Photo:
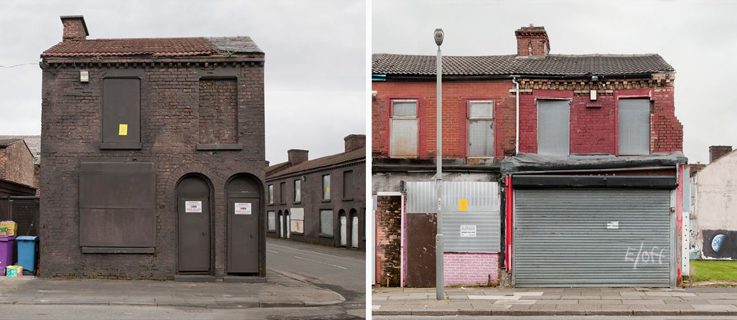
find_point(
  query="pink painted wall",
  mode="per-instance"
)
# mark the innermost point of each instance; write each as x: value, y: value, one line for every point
x: 471, y: 269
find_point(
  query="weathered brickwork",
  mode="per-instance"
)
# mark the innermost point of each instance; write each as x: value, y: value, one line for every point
x: 16, y: 164
x: 388, y: 240
x: 456, y: 96
x: 71, y: 133
x: 218, y: 111
x: 471, y: 269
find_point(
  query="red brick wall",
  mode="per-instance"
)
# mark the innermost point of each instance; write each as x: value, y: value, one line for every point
x: 16, y: 164
x: 455, y: 100
x: 471, y: 269
x: 594, y: 129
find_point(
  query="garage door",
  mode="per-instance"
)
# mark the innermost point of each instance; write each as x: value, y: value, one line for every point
x: 592, y: 237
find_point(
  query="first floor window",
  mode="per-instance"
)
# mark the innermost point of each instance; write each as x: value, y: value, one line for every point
x: 271, y: 194
x: 297, y: 191
x: 271, y: 221
x: 326, y: 222
x: 634, y: 127
x: 480, y: 129
x: 403, y: 129
x: 553, y: 127
x: 326, y: 187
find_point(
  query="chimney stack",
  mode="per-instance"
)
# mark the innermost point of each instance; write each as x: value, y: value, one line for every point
x: 716, y: 152
x: 354, y: 142
x: 532, y: 41
x: 297, y: 156
x: 74, y: 28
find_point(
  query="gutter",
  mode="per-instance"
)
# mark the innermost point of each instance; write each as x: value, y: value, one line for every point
x: 516, y: 109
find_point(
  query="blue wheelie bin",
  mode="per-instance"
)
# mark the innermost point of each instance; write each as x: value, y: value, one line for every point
x: 27, y: 253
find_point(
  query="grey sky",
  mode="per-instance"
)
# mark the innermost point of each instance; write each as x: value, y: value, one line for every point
x: 699, y: 39
x: 315, y: 58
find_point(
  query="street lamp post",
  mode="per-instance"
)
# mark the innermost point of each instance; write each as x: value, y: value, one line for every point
x: 439, y: 273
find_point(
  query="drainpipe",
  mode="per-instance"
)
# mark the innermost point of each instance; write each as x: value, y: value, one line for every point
x: 516, y: 109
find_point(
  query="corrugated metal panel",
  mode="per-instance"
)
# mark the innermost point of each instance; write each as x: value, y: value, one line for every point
x: 634, y: 126
x: 593, y: 237
x: 482, y: 199
x: 553, y: 127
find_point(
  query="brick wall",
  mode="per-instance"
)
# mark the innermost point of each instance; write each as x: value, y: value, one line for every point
x: 593, y: 124
x: 218, y: 111
x: 388, y: 240
x: 71, y: 133
x: 16, y: 164
x: 471, y: 269
x: 456, y: 96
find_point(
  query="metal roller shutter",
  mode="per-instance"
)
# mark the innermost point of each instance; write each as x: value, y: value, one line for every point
x: 593, y: 237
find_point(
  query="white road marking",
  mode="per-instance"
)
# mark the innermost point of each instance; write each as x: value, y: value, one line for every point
x: 272, y: 251
x: 350, y: 259
x: 320, y: 262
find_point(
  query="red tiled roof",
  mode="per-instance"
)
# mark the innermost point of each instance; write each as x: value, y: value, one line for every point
x: 131, y: 47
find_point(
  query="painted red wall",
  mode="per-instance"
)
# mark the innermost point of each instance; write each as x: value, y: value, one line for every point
x: 456, y: 95
x: 594, y: 125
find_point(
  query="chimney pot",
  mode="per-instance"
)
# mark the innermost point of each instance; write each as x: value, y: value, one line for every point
x: 354, y: 142
x: 74, y: 28
x: 716, y: 152
x: 532, y: 41
x: 297, y: 156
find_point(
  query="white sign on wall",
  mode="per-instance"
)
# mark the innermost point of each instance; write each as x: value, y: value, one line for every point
x: 468, y: 231
x: 242, y: 208
x: 193, y: 206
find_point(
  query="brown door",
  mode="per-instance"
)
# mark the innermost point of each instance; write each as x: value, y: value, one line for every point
x: 193, y: 225
x: 243, y: 230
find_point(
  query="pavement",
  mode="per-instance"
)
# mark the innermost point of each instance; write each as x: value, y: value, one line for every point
x: 278, y: 291
x: 703, y: 301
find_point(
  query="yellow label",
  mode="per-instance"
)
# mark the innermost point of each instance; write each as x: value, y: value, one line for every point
x: 462, y: 204
x: 123, y: 129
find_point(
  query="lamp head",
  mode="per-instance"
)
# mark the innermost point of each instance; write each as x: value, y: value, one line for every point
x: 439, y: 36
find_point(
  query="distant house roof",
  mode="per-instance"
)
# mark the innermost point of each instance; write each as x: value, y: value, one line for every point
x: 32, y: 142
x: 505, y: 65
x: 153, y: 47
x: 278, y: 170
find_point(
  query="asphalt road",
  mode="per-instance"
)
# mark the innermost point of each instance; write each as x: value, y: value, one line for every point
x: 338, y: 269
x: 553, y: 318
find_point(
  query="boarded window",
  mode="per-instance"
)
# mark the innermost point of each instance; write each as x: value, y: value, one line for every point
x: 297, y: 191
x: 403, y: 140
x: 326, y: 222
x: 348, y: 185
x: 480, y: 129
x: 282, y: 193
x: 326, y: 187
x: 271, y: 194
x: 116, y: 204
x: 218, y: 111
x: 634, y: 126
x: 271, y: 221
x: 553, y: 127
x: 121, y: 113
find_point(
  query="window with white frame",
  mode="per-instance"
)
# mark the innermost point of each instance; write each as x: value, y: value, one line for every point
x: 481, y: 129
x: 297, y: 191
x: 271, y: 221
x: 271, y: 194
x: 403, y: 129
x: 326, y: 222
x: 634, y: 127
x: 326, y: 187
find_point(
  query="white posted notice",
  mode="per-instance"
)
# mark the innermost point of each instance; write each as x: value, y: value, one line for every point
x: 242, y: 208
x: 193, y: 206
x: 468, y: 231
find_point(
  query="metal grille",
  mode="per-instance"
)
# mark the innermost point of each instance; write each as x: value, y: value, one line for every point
x: 593, y: 237
x: 482, y: 214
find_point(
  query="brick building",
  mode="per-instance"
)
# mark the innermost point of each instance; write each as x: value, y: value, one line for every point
x: 579, y: 116
x: 320, y: 200
x: 17, y: 162
x: 153, y: 157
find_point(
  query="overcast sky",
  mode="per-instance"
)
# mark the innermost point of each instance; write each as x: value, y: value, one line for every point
x: 315, y: 58
x: 699, y: 39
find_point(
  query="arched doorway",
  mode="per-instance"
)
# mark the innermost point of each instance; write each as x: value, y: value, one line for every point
x: 354, y: 228
x: 281, y: 224
x: 244, y: 221
x: 193, y: 225
x: 343, y: 228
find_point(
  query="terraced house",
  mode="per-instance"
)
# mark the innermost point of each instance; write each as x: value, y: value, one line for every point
x: 559, y: 170
x: 153, y: 154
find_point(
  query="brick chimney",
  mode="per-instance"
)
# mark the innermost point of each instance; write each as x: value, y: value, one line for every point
x: 716, y: 152
x: 532, y: 41
x: 74, y: 28
x: 354, y: 142
x: 297, y: 156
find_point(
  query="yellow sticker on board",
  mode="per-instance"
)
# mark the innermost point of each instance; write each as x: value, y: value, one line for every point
x: 462, y: 204
x: 123, y: 129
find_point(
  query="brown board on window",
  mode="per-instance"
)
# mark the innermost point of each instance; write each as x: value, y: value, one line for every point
x: 121, y: 112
